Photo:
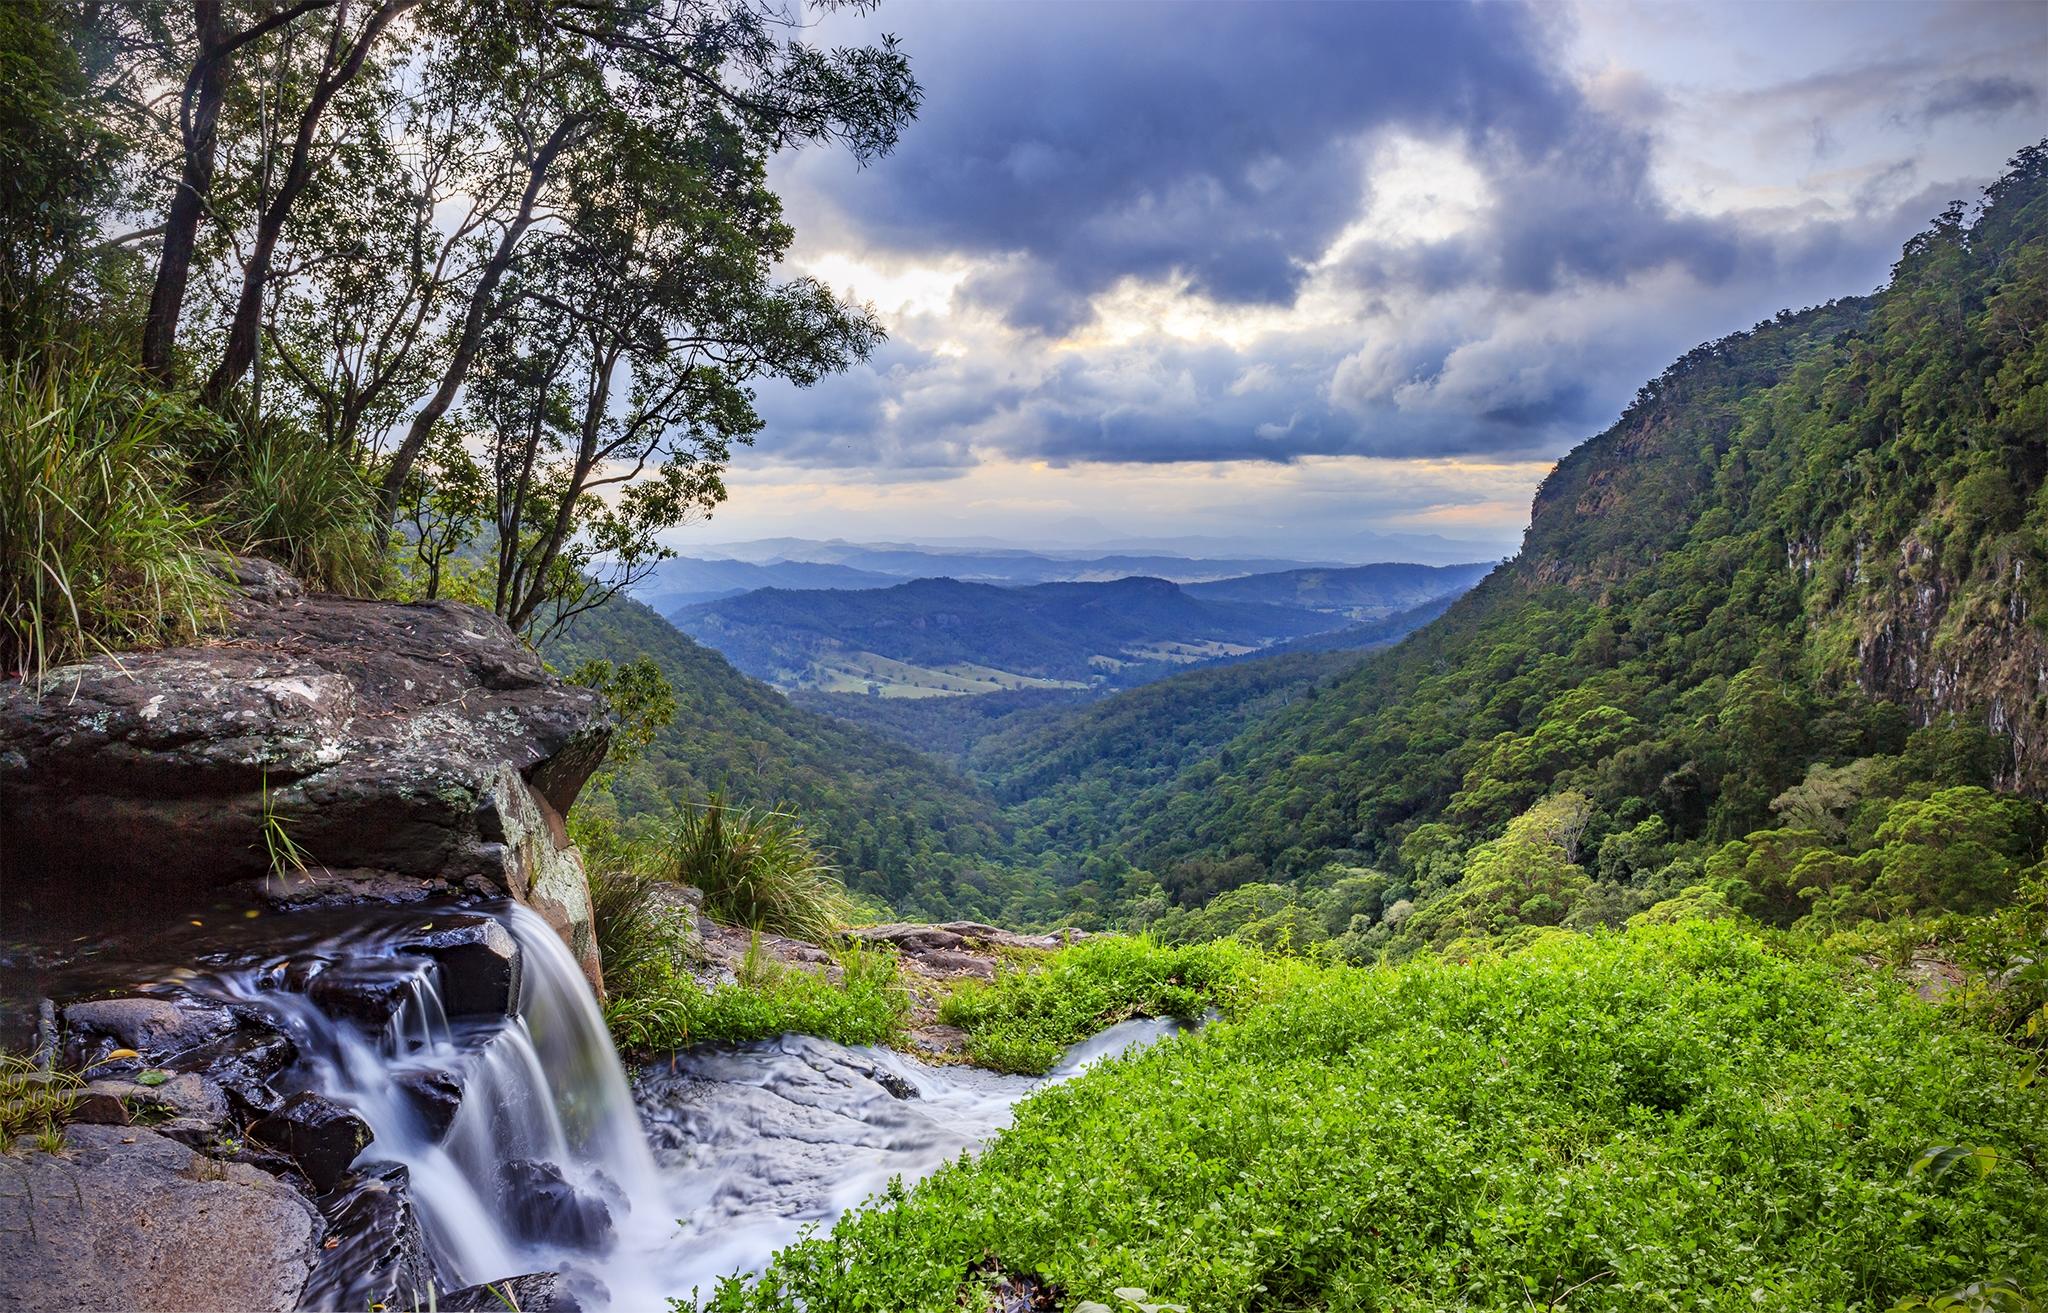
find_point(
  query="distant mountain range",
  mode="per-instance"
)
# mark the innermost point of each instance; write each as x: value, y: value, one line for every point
x: 1361, y: 592
x: 939, y: 637
x: 802, y: 563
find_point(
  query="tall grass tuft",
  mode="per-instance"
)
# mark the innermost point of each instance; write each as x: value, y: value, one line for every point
x: 756, y: 868
x: 280, y: 492
x: 33, y: 1100
x: 637, y: 938
x: 96, y: 550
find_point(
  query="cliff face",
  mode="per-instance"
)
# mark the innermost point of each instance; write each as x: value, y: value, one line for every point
x: 324, y: 750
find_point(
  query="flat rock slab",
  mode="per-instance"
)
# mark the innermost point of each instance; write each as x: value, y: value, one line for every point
x: 125, y: 1219
x: 369, y: 733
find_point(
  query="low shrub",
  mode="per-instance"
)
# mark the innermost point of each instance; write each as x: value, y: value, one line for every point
x: 757, y: 869
x: 275, y: 490
x: 1691, y: 1116
x: 867, y: 1005
x: 1029, y: 1016
x: 96, y: 551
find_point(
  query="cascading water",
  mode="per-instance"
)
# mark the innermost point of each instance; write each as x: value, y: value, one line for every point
x: 548, y: 1164
x: 542, y: 1090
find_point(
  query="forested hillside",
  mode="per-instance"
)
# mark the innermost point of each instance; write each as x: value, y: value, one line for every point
x: 893, y: 819
x: 1790, y: 603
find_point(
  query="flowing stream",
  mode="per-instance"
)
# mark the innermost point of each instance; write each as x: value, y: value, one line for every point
x: 702, y: 1168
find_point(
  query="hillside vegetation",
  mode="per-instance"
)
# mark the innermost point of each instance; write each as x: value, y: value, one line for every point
x: 889, y: 817
x: 1762, y: 632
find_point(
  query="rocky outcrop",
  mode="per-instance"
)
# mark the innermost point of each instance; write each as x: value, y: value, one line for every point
x: 125, y: 1218
x: 324, y: 749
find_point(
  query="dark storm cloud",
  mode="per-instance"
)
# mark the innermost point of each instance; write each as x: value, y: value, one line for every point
x: 1218, y: 142
x: 1064, y: 147
x: 1978, y: 96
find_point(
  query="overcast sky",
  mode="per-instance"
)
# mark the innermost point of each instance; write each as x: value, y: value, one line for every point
x: 1289, y: 274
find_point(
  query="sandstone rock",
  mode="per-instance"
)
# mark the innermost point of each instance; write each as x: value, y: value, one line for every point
x: 374, y: 1254
x: 126, y: 1219
x: 321, y: 1136
x: 416, y: 746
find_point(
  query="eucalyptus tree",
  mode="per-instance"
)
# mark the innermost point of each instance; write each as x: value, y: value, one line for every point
x: 575, y: 76
x: 617, y: 382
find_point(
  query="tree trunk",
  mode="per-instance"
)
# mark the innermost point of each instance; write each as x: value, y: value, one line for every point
x: 205, y: 89
x: 337, y: 72
x: 474, y: 321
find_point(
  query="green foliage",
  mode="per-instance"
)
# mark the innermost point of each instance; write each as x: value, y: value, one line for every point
x: 33, y: 1100
x: 757, y: 868
x: 1680, y: 1117
x: 273, y: 489
x: 866, y: 1005
x: 1025, y: 1019
x: 638, y: 938
x: 59, y: 156
x: 96, y: 551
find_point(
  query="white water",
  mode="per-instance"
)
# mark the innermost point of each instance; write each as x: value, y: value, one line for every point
x: 758, y: 1141
x: 724, y: 1156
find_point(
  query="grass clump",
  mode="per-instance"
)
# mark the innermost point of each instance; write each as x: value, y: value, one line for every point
x: 757, y: 869
x: 276, y: 490
x: 1678, y: 1117
x: 1028, y: 1017
x: 96, y: 551
x: 34, y: 1101
x: 867, y: 1005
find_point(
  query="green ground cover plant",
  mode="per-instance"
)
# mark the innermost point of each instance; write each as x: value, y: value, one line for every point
x: 757, y: 867
x: 97, y: 553
x: 1023, y: 1021
x: 1690, y: 1116
x: 866, y: 1004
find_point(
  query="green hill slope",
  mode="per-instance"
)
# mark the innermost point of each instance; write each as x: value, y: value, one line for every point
x: 1798, y: 546
x: 968, y: 635
x: 1363, y: 592
x: 895, y: 819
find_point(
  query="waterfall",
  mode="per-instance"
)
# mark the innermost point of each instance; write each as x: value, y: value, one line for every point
x: 548, y: 1165
x: 540, y: 1092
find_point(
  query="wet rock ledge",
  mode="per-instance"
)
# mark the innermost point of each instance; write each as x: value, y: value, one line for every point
x: 323, y: 750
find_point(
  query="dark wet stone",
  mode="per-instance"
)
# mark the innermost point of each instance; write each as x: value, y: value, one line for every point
x: 374, y: 1254
x: 541, y: 1206
x: 367, y: 992
x: 435, y: 1095
x: 157, y: 1027
x: 242, y: 1065
x: 479, y: 963
x: 536, y: 1292
x: 897, y: 1086
x: 320, y: 1135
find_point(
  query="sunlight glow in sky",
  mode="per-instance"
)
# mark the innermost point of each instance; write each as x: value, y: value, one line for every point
x: 1291, y: 275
